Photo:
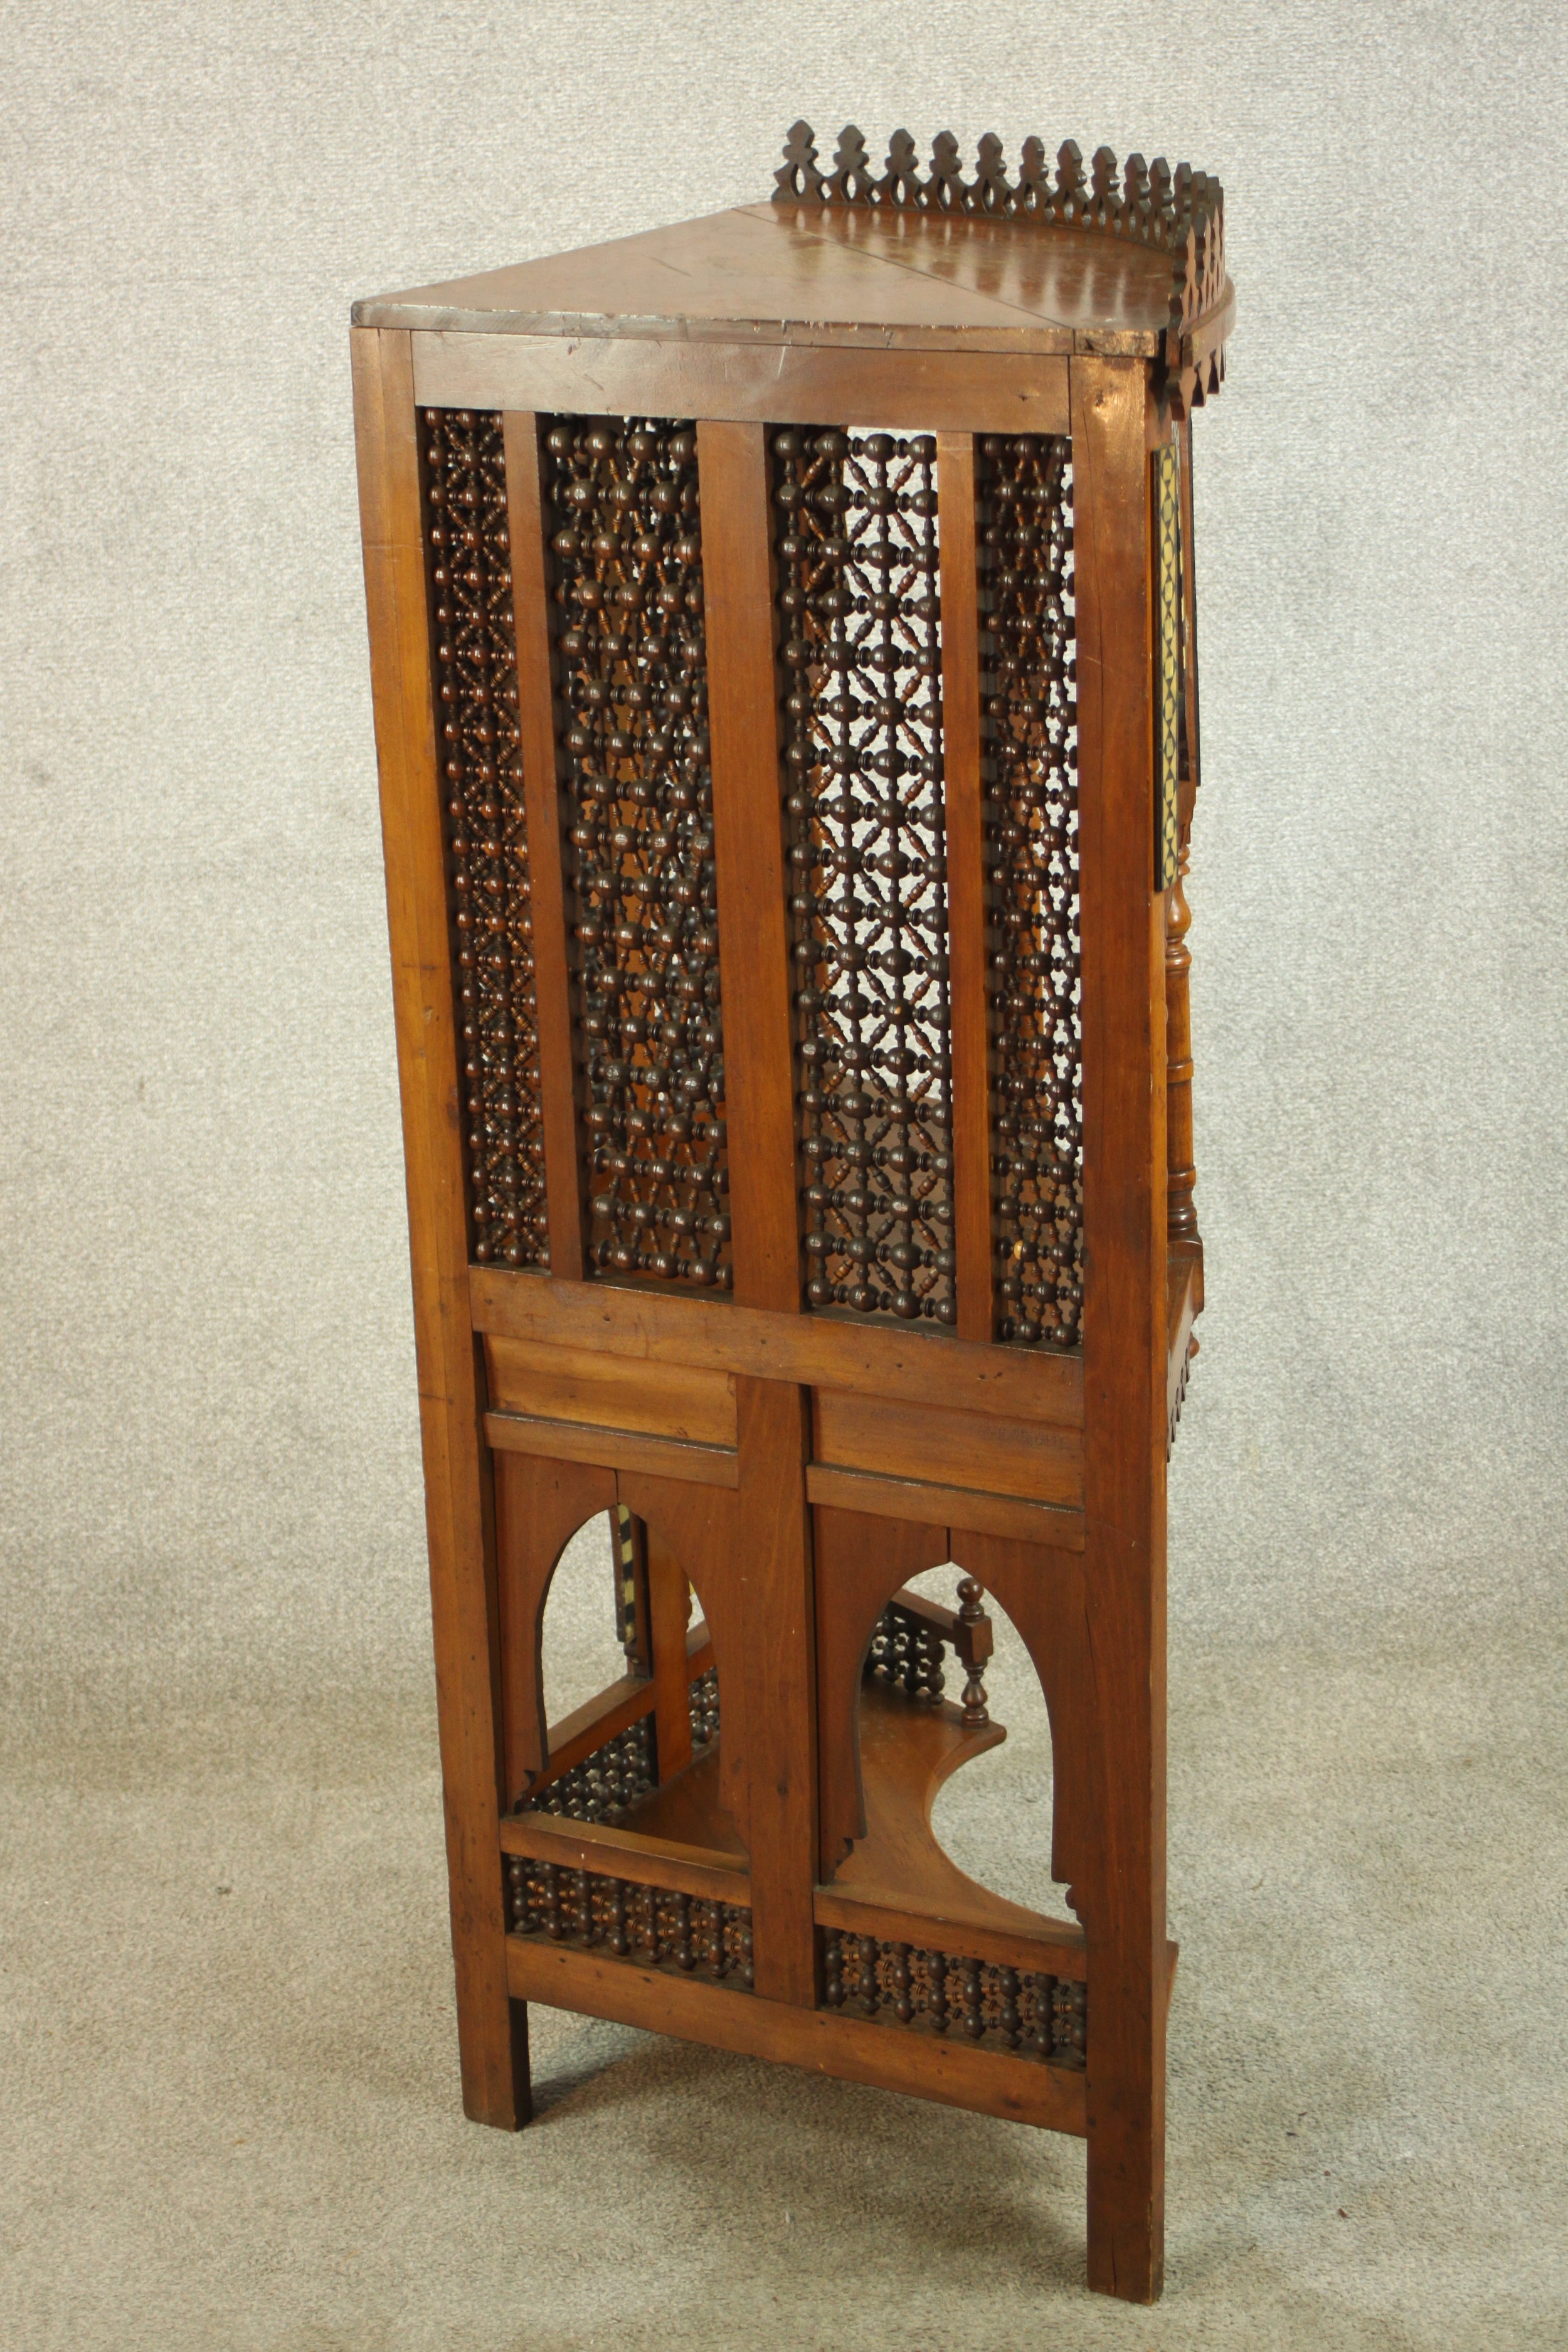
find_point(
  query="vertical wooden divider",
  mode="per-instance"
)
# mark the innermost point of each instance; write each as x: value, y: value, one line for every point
x: 779, y: 1608
x: 774, y: 1567
x: 963, y: 796
x: 459, y: 1502
x: 1122, y: 1902
x: 670, y: 1611
x: 542, y: 801
x: 749, y: 855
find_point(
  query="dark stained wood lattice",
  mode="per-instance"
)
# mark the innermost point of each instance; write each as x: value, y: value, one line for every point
x: 909, y: 1644
x: 857, y: 568
x: 604, y: 1784
x: 621, y: 506
x: 475, y: 647
x: 650, y: 1925
x: 906, y: 1653
x: 1030, y: 729
x: 1039, y: 2016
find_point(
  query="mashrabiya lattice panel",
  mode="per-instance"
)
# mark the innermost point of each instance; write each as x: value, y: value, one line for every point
x: 650, y: 1924
x: 860, y: 605
x: 606, y: 1783
x: 475, y: 646
x: 1030, y: 729
x: 1036, y: 2015
x: 625, y: 532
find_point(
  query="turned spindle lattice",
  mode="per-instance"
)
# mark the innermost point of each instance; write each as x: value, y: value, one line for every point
x: 658, y: 1926
x: 858, y: 602
x: 625, y: 529
x: 487, y: 832
x: 1030, y: 726
x: 1038, y: 2015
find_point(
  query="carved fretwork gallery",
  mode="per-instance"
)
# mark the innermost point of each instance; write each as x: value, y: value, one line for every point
x: 784, y: 648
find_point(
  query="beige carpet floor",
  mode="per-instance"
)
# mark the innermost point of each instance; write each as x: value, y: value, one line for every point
x: 231, y: 2115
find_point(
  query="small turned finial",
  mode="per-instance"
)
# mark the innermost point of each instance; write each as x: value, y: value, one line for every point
x: 1069, y: 181
x: 799, y: 176
x: 976, y: 1713
x: 993, y: 191
x: 1034, y: 180
x: 1135, y: 196
x: 944, y: 189
x: 852, y: 180
x: 899, y: 186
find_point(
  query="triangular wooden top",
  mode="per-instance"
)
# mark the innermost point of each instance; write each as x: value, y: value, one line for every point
x: 811, y: 274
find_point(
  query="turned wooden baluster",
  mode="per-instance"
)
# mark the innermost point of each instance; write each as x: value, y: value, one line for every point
x: 974, y: 1651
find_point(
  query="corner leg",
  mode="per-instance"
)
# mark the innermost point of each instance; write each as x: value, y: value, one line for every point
x: 1126, y: 2138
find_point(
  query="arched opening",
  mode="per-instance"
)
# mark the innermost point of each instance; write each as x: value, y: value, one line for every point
x: 581, y: 1647
x: 629, y: 1690
x: 936, y: 1916
x: 996, y: 1818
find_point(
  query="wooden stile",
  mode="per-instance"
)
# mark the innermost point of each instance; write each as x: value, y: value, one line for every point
x: 459, y: 1505
x: 749, y: 851
x: 1124, y: 1320
x: 964, y: 793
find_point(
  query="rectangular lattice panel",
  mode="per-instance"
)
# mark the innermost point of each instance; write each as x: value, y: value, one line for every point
x: 474, y: 646
x: 856, y: 547
x: 1168, y: 662
x: 625, y: 539
x: 1029, y: 730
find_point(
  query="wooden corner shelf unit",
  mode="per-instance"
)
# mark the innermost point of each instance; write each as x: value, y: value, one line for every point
x: 782, y: 643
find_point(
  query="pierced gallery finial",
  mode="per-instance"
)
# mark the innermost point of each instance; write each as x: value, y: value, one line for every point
x: 1180, y: 213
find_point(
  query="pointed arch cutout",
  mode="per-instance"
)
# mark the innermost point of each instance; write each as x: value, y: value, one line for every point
x: 540, y: 1506
x: 861, y: 1563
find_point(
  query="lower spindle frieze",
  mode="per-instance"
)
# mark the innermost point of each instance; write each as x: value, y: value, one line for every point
x: 656, y: 1925
x: 949, y: 2069
x: 1024, y: 2012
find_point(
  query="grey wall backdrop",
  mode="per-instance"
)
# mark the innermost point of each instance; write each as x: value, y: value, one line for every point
x: 210, y: 1452
x: 211, y: 1472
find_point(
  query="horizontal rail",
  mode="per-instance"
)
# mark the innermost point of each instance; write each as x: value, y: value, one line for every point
x: 1056, y: 1947
x: 616, y: 1851
x: 889, y: 2057
x: 765, y: 383
x: 813, y: 1350
x: 975, y: 1514
x: 613, y: 1449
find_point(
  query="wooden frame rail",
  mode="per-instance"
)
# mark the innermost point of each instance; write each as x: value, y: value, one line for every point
x: 1017, y: 2090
